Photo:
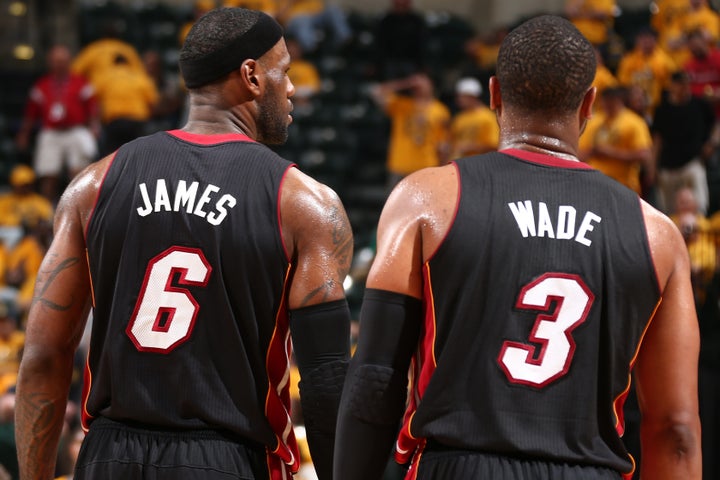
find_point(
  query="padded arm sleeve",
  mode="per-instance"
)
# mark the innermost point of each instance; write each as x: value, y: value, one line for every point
x: 321, y: 341
x: 375, y: 390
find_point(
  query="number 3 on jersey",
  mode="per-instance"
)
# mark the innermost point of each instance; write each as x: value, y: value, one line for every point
x: 165, y: 312
x: 552, y: 329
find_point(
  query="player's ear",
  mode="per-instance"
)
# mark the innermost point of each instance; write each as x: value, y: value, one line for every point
x: 495, y: 97
x: 250, y: 76
x: 586, y: 108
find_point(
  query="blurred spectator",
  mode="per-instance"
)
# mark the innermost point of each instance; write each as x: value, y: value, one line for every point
x: 200, y: 8
x: 667, y: 20
x: 703, y: 69
x: 96, y: 58
x: 474, y: 129
x: 64, y: 103
x: 68, y: 452
x: 23, y: 262
x: 702, y: 18
x: 313, y: 21
x: 594, y: 19
x: 483, y: 49
x: 604, y: 78
x: 646, y: 66
x: 682, y: 130
x: 171, y: 95
x: 617, y: 141
x: 696, y: 230
x: 12, y: 341
x: 127, y: 98
x: 303, y: 74
x: 400, y: 41
x: 419, y: 125
x: 21, y: 205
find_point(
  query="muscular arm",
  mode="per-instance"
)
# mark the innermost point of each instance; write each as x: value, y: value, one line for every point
x: 412, y: 225
x: 666, y: 369
x: 319, y: 239
x: 55, y: 325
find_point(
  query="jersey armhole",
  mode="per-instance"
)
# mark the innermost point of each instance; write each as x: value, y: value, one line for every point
x: 454, y: 215
x: 279, y: 213
x: 91, y: 217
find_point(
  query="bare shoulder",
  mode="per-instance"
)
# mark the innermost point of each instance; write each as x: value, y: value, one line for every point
x: 427, y: 199
x: 667, y: 246
x: 80, y: 195
x: 309, y: 208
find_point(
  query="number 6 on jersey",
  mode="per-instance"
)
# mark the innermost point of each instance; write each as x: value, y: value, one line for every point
x: 164, y: 314
x: 551, y: 330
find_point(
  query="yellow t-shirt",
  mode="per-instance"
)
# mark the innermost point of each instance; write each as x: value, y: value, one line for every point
x: 418, y: 130
x: 98, y: 57
x: 31, y: 208
x: 603, y: 79
x: 703, y: 19
x: 473, y: 131
x: 651, y: 73
x: 595, y: 30
x: 26, y: 256
x: 124, y: 93
x: 627, y: 132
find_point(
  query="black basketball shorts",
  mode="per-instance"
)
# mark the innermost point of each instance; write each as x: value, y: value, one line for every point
x: 115, y: 451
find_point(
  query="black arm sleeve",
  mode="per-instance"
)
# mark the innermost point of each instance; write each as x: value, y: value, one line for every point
x: 321, y: 342
x: 375, y: 390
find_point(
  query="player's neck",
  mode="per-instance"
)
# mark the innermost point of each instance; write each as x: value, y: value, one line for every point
x: 554, y: 147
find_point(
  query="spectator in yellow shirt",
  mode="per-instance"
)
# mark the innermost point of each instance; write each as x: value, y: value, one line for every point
x: 96, y: 58
x: 474, y: 129
x: 594, y: 18
x: 23, y: 263
x: 646, y: 66
x: 617, y: 141
x: 666, y: 20
x: 12, y: 341
x: 126, y: 97
x: 419, y: 125
x: 268, y: 6
x: 21, y: 205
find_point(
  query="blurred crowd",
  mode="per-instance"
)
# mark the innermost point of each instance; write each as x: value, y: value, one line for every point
x: 656, y: 129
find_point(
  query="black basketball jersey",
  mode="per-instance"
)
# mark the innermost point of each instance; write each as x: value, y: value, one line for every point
x: 535, y: 306
x: 189, y: 271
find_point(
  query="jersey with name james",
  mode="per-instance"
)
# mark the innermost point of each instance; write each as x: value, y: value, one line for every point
x: 189, y: 271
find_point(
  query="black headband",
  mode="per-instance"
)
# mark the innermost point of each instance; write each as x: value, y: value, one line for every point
x: 251, y: 45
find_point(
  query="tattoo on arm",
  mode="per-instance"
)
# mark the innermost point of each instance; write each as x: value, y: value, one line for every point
x: 47, y: 282
x: 341, y: 253
x: 38, y: 420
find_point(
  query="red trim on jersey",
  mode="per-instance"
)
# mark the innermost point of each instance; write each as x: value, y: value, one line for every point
x: 543, y: 159
x: 201, y: 139
x: 85, y: 417
x: 279, y: 216
x: 408, y: 446
x: 284, y: 460
x: 455, y: 213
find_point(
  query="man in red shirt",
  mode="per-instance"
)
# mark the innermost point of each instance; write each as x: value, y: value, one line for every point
x: 64, y: 105
x: 703, y: 68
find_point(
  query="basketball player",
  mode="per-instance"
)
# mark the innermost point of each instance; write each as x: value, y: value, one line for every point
x: 198, y: 251
x: 524, y: 286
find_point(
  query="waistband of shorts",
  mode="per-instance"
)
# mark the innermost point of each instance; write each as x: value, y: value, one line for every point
x: 195, y: 434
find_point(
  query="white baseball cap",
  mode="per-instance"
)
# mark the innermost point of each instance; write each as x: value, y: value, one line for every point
x: 468, y: 86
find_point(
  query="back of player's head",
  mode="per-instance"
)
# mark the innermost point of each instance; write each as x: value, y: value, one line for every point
x: 545, y: 65
x: 222, y: 39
